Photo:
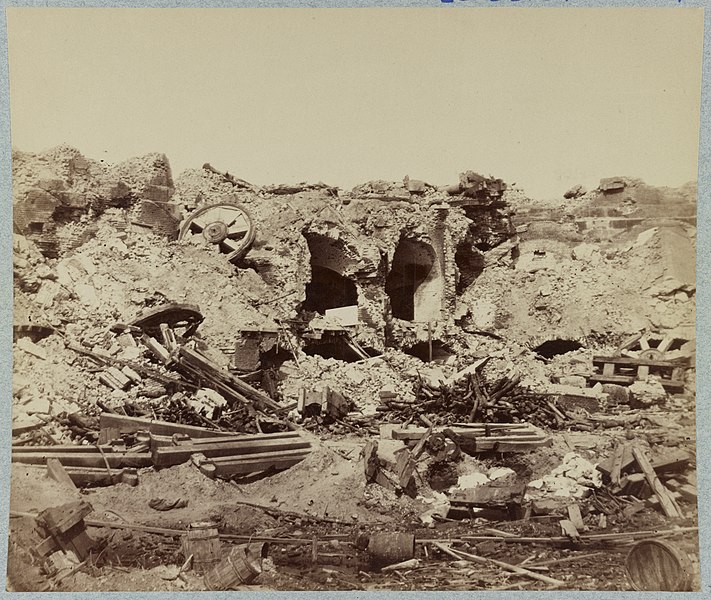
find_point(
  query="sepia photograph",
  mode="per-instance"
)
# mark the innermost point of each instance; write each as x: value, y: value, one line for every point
x: 354, y: 299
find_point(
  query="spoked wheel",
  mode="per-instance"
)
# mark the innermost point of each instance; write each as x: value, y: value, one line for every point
x: 652, y: 345
x: 226, y: 224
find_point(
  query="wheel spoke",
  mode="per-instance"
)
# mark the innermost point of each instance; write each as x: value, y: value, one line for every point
x: 236, y: 229
x: 232, y: 245
x: 665, y: 343
x: 199, y: 222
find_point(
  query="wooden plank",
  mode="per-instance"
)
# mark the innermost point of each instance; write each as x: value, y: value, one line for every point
x: 86, y: 459
x: 668, y: 384
x: 63, y: 449
x: 485, y: 445
x: 56, y: 471
x: 282, y: 435
x: 416, y: 433
x: 608, y: 368
x: 158, y: 350
x: 672, y: 462
x: 175, y: 455
x: 569, y: 529
x: 489, y: 496
x: 575, y: 517
x: 632, y: 362
x: 262, y: 456
x: 617, y: 463
x: 134, y: 424
x: 232, y: 467
x: 370, y: 460
x: 494, y: 426
x: 84, y: 476
x: 667, y: 501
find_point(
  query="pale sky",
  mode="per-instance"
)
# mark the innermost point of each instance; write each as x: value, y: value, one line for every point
x: 546, y: 98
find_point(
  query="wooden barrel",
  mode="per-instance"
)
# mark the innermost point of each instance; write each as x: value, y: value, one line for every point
x: 390, y: 548
x: 203, y: 542
x: 241, y: 566
x: 658, y: 566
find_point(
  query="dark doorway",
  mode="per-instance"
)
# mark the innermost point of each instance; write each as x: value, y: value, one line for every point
x: 328, y: 289
x: 412, y: 263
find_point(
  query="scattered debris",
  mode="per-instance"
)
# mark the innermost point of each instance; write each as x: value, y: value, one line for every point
x: 393, y: 387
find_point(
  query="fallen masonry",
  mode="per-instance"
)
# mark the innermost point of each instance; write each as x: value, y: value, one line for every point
x: 222, y: 386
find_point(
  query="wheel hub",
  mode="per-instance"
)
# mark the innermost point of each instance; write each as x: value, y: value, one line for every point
x: 215, y: 232
x: 651, y: 354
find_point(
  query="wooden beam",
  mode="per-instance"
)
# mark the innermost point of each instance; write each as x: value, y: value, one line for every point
x: 672, y: 462
x: 63, y: 449
x: 670, y: 385
x: 86, y: 459
x: 175, y: 455
x: 265, y: 437
x: 633, y: 362
x: 230, y: 466
x: 667, y: 501
x: 133, y: 424
x: 56, y: 471
x: 575, y: 517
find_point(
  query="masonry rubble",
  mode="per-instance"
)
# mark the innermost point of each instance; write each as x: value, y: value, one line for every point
x: 457, y: 357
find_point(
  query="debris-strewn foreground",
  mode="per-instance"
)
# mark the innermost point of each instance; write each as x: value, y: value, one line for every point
x: 225, y: 386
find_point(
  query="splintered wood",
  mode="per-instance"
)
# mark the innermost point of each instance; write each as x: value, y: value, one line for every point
x: 484, y: 437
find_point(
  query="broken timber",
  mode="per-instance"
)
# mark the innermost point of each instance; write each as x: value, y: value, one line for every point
x: 230, y: 466
x: 134, y: 424
x: 671, y: 462
x: 459, y: 555
x: 263, y: 445
x: 196, y: 366
x: 87, y: 456
x: 484, y: 437
x: 625, y: 371
x: 667, y: 501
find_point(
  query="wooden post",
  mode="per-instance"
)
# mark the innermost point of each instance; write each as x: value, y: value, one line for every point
x: 429, y: 340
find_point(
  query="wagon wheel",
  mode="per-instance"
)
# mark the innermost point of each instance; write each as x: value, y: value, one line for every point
x: 176, y: 316
x: 651, y: 346
x: 226, y: 224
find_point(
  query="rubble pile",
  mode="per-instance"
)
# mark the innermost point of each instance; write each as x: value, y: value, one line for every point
x: 399, y: 386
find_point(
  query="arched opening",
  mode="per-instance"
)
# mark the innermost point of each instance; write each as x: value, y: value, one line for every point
x: 414, y: 284
x: 329, y: 286
x: 552, y: 348
x: 329, y: 289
